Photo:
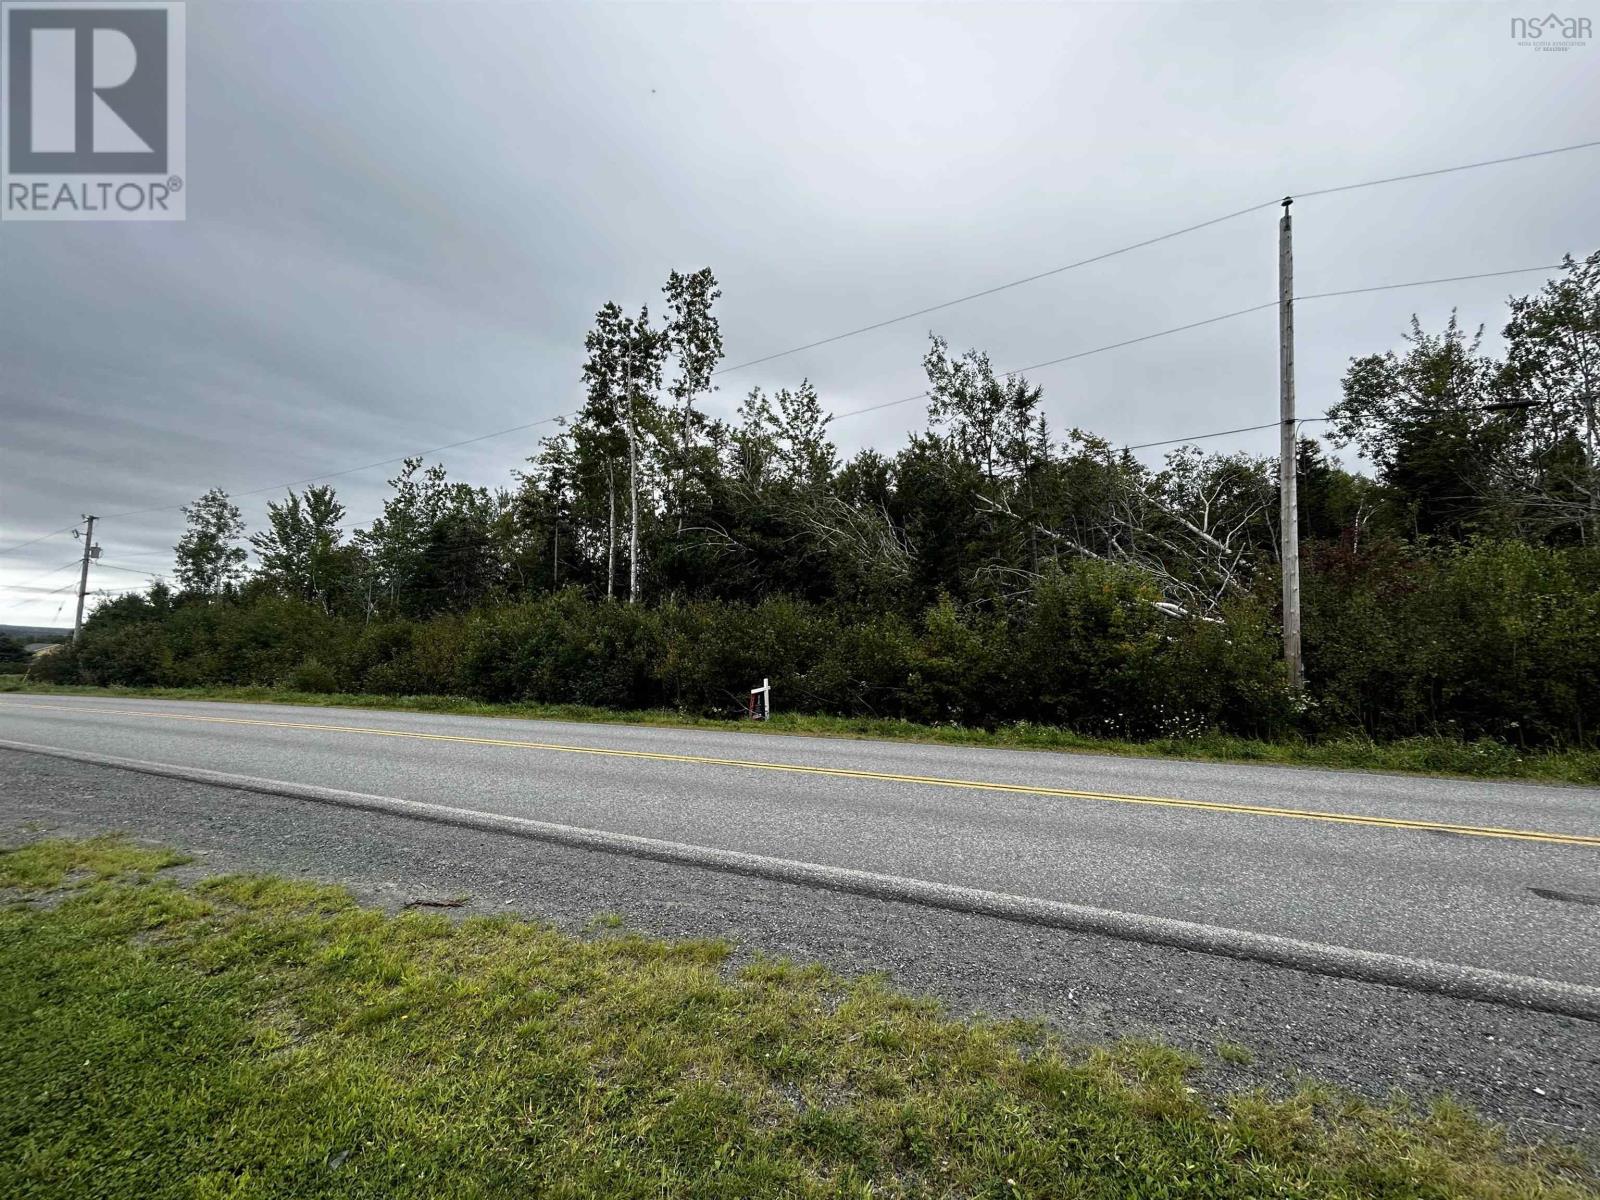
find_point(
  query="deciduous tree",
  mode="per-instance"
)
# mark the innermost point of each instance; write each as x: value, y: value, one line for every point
x: 209, y: 557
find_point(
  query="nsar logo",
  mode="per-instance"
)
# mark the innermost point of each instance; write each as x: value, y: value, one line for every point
x: 94, y: 111
x: 1551, y: 32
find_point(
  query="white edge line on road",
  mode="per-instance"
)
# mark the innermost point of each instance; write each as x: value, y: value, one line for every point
x: 1424, y: 975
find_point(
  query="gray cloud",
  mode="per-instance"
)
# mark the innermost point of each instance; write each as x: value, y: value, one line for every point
x: 402, y: 218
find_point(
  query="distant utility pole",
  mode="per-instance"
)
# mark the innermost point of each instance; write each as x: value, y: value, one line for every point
x: 90, y: 550
x: 1288, y: 500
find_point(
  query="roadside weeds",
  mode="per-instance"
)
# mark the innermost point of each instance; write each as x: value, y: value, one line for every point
x: 259, y: 1036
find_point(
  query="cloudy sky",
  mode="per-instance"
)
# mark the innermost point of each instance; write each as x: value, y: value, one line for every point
x: 402, y: 218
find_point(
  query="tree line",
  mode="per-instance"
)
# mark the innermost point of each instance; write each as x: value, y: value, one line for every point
x: 992, y: 568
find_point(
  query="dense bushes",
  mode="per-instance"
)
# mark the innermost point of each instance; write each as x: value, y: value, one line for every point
x: 1497, y: 639
x: 564, y: 650
x: 1102, y: 658
x: 1090, y: 651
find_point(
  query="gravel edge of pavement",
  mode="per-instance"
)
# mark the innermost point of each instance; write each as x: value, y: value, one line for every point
x: 1536, y: 1073
x: 1448, y: 979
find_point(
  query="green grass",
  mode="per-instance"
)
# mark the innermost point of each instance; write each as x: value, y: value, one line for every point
x: 1483, y: 759
x: 256, y: 1037
x: 1235, y: 1054
x: 47, y: 865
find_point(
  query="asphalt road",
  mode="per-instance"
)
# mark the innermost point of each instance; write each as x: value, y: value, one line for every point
x: 1384, y: 863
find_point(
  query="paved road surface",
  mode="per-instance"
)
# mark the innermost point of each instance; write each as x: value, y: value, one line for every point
x: 1385, y: 863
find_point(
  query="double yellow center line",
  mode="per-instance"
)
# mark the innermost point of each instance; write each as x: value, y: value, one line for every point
x: 979, y: 785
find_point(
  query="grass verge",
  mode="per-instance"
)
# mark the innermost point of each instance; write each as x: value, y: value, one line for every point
x: 1483, y: 759
x: 256, y: 1037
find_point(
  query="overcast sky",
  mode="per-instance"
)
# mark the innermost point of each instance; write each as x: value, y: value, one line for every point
x: 402, y: 217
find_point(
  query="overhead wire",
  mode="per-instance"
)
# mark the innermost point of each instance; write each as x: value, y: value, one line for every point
x: 46, y: 574
x: 387, y: 462
x: 1202, y: 437
x: 1120, y: 250
x: 990, y: 291
x: 1227, y: 316
x: 35, y: 541
x: 130, y: 570
x: 1087, y: 353
x: 970, y: 296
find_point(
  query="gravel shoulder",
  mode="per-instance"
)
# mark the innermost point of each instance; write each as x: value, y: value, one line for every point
x: 1536, y: 1072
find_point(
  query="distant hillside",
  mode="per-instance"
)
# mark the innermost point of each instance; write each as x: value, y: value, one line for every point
x: 35, y: 633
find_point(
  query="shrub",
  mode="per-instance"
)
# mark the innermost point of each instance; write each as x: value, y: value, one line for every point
x: 961, y: 669
x: 1515, y: 643
x: 409, y: 658
x: 58, y: 666
x: 1495, y: 638
x: 712, y: 653
x: 563, y: 650
x: 379, y: 658
x: 312, y: 676
x: 437, y: 650
x: 123, y: 655
x: 1087, y: 650
x: 1222, y: 676
x: 864, y: 667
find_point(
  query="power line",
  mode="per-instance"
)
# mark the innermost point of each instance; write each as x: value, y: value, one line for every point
x: 1389, y: 287
x: 1227, y: 316
x: 1196, y: 437
x: 46, y: 574
x: 1201, y: 437
x: 1488, y: 162
x: 1015, y: 283
x: 161, y: 555
x: 66, y: 587
x: 23, y: 587
x: 130, y: 570
x: 1383, y: 287
x: 13, y: 587
x: 37, y: 540
x: 890, y: 404
x: 1148, y: 337
x: 1084, y: 262
x: 387, y: 462
x: 943, y: 305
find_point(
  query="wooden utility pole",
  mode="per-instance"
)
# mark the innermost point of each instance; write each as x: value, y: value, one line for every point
x: 633, y: 480
x: 90, y: 550
x: 1288, y: 501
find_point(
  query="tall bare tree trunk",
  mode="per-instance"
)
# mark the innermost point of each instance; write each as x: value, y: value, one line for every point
x: 683, y: 463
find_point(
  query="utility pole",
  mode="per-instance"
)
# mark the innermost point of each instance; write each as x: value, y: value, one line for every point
x: 633, y: 480
x: 90, y: 550
x: 1288, y: 500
